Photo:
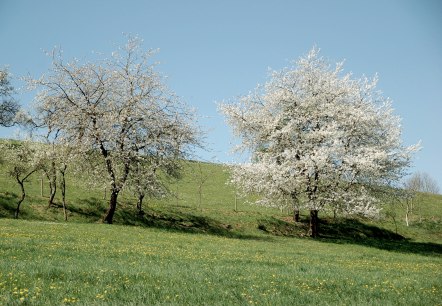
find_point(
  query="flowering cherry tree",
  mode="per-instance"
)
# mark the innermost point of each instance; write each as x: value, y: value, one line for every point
x: 117, y: 110
x: 145, y: 181
x: 22, y: 161
x: 318, y: 138
x: 55, y: 158
x: 8, y: 105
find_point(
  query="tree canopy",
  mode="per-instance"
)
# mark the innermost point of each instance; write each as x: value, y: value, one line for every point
x: 8, y: 105
x: 117, y: 109
x: 318, y: 138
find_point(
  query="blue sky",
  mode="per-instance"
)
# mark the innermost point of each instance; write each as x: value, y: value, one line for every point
x: 218, y: 50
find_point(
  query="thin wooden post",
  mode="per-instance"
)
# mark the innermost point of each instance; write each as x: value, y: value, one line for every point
x: 177, y: 196
x: 41, y: 187
x: 236, y: 201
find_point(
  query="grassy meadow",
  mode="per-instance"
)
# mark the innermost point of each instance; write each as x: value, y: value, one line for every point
x: 210, y: 252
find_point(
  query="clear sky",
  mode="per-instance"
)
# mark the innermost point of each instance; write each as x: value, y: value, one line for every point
x: 218, y: 50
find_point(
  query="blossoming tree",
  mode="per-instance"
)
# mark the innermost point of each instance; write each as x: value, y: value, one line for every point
x: 318, y: 138
x: 118, y: 110
x: 8, y: 105
x: 22, y: 161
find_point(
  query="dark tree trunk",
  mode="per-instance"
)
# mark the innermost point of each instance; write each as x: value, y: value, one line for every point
x: 296, y: 215
x: 52, y: 177
x: 314, y: 224
x: 53, y: 190
x: 140, y: 204
x: 109, y: 216
x: 63, y: 192
x: 295, y: 204
x: 22, y: 198
x: 21, y: 182
x: 116, y: 185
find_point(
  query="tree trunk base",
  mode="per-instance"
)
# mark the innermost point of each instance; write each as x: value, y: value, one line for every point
x: 140, y: 210
x: 314, y: 224
x: 109, y: 216
x: 296, y: 215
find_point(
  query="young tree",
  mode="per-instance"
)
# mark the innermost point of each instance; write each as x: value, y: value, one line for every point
x: 422, y: 182
x: 50, y: 169
x: 319, y: 137
x: 22, y: 161
x: 144, y: 181
x: 418, y: 182
x: 8, y: 105
x: 62, y: 170
x: 118, y: 109
x: 55, y: 158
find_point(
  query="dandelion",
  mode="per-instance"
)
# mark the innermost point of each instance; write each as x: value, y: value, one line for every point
x: 100, y: 296
x: 68, y: 300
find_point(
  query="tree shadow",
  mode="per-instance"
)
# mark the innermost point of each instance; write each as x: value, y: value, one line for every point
x: 181, y: 221
x: 90, y: 208
x: 8, y: 205
x: 351, y: 231
x: 278, y: 227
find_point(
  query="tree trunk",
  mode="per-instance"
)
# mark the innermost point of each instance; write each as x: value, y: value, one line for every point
x: 407, y: 212
x: 23, y: 195
x: 406, y: 219
x: 295, y: 204
x: 140, y: 204
x: 63, y: 192
x: 296, y: 214
x: 53, y: 190
x: 52, y: 177
x: 314, y: 224
x: 108, y: 217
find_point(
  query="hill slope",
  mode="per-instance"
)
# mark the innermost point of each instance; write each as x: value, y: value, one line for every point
x: 202, y: 201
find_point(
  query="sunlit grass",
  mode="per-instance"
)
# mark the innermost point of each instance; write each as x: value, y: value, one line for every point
x: 51, y: 264
x: 209, y: 253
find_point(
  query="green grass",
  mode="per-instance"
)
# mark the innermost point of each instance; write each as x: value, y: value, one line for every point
x: 185, y: 253
x: 46, y: 263
x: 87, y: 204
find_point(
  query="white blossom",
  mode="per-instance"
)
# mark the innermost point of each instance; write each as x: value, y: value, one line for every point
x: 318, y: 136
x: 114, y: 113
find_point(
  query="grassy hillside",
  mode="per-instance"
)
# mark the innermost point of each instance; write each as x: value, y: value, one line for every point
x: 215, y: 211
x: 88, y: 204
x: 186, y: 252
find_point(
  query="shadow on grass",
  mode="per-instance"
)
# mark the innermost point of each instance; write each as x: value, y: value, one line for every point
x: 278, y: 227
x: 350, y: 231
x: 178, y: 220
x: 8, y: 204
x: 91, y: 208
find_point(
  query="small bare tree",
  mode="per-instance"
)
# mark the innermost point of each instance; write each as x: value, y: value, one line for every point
x: 422, y: 182
x: 418, y: 182
x: 145, y: 182
x: 202, y: 178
